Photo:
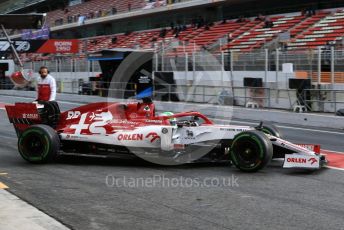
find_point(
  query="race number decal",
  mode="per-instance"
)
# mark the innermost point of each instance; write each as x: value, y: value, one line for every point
x: 93, y: 124
x: 73, y: 115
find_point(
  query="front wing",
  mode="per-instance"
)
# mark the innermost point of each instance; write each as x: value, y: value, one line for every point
x: 306, y: 156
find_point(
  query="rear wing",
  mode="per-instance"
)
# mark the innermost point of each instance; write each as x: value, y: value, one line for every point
x: 23, y: 115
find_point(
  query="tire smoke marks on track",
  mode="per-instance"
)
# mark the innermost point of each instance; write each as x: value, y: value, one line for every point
x: 335, y: 159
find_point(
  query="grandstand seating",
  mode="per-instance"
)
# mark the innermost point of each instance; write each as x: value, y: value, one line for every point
x: 326, y: 30
x: 92, y: 9
x: 247, y: 35
x: 260, y: 34
x: 203, y: 38
x: 308, y: 22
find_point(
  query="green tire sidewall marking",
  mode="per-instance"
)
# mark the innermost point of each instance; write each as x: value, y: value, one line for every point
x: 261, y: 154
x: 47, y: 145
x: 241, y: 135
x: 268, y: 131
x: 232, y: 153
x: 255, y: 139
x: 33, y: 130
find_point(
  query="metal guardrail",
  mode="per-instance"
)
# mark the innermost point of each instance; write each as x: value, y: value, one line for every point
x: 65, y: 65
x: 239, y: 96
x: 320, y: 100
x: 321, y: 97
x: 308, y: 61
x: 264, y: 97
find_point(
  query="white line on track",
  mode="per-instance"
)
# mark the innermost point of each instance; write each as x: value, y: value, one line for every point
x: 276, y: 111
x: 286, y: 127
x: 70, y: 103
x: 335, y: 168
x: 63, y: 102
x: 335, y: 152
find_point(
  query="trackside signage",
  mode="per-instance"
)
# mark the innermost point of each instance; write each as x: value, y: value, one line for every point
x: 60, y: 46
x: 300, y: 161
x: 42, y: 46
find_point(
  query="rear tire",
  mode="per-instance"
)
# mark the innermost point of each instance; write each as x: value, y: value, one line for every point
x: 39, y: 144
x: 251, y: 151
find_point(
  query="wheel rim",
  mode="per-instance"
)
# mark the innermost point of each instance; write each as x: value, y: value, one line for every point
x: 247, y: 152
x: 34, y: 145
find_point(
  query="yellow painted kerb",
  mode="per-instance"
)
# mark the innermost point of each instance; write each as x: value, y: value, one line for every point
x: 3, y: 186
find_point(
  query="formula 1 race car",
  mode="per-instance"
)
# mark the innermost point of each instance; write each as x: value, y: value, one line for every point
x: 133, y: 129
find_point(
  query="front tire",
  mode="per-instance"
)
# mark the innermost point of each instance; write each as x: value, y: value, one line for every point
x: 39, y: 144
x: 272, y: 130
x: 251, y: 151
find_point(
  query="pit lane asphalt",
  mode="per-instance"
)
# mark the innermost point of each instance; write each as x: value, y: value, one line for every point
x: 74, y: 191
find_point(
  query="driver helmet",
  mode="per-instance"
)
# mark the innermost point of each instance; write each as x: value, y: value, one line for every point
x: 173, y: 121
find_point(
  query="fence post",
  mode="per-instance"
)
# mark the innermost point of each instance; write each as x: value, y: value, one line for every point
x: 88, y: 68
x: 277, y: 66
x: 319, y: 65
x: 231, y: 66
x: 62, y: 87
x: 156, y: 62
x: 332, y: 66
x: 193, y: 62
x: 335, y: 101
x: 245, y: 88
x: 222, y: 66
x: 169, y: 92
x: 93, y: 67
x: 162, y: 57
x: 266, y: 65
x: 186, y: 66
x: 56, y: 68
x: 71, y: 67
x: 269, y: 95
